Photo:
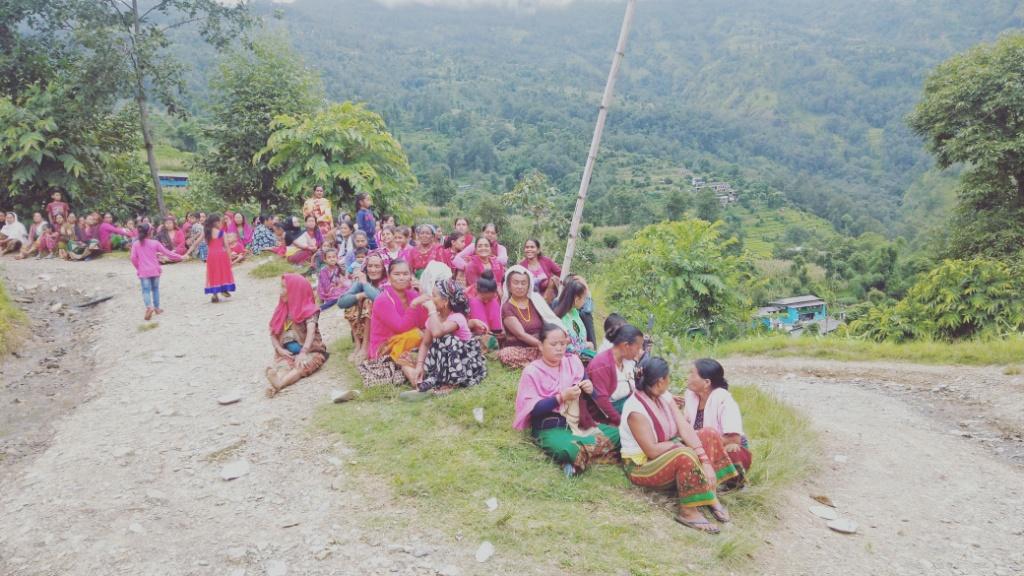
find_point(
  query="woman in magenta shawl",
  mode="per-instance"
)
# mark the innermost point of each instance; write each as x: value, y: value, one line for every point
x: 299, y: 350
x: 548, y: 404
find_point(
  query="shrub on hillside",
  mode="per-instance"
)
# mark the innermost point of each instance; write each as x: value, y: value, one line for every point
x: 957, y: 300
x: 683, y: 274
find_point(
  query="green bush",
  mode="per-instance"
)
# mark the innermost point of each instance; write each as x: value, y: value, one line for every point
x: 683, y: 274
x: 959, y: 299
x: 611, y: 241
x: 586, y: 231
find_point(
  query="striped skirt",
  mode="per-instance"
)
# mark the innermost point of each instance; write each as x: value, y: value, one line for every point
x: 681, y: 469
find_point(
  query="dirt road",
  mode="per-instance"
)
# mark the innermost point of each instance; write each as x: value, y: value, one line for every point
x: 130, y: 481
x: 124, y: 476
x: 911, y: 455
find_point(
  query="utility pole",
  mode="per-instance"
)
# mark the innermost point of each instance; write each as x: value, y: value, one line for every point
x: 595, y: 144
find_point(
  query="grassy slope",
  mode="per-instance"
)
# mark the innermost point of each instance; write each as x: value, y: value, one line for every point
x: 169, y: 158
x: 766, y: 227
x: 975, y: 353
x: 11, y: 321
x: 435, y: 454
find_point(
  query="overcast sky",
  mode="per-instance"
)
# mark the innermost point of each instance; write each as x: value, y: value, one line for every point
x: 515, y: 4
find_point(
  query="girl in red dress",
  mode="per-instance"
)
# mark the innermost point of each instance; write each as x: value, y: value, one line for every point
x: 219, y: 279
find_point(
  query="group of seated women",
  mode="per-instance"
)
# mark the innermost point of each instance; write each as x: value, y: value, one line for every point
x: 616, y: 408
x: 425, y: 316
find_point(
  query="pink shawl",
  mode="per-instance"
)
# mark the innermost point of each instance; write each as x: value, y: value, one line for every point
x: 540, y: 381
x: 299, y: 307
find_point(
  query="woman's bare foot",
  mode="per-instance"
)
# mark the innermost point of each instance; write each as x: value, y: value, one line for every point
x: 149, y: 314
x: 214, y: 299
x: 226, y: 294
x: 159, y: 310
x: 275, y: 384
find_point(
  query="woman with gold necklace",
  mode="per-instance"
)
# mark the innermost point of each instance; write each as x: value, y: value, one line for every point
x: 523, y: 315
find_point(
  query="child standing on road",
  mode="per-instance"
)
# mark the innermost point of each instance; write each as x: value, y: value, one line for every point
x: 144, y: 258
x: 219, y: 278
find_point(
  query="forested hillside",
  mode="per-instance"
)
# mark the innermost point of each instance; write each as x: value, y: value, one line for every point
x: 808, y: 98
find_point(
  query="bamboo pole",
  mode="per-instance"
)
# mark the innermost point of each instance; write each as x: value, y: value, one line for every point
x: 595, y: 144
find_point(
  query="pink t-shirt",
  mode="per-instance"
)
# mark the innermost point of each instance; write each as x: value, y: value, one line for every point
x: 462, y: 332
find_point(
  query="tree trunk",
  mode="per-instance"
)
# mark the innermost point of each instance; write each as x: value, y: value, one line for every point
x: 140, y: 99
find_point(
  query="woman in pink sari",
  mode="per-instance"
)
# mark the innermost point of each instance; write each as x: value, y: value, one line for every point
x: 299, y: 350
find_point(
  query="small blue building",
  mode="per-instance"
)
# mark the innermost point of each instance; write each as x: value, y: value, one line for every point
x: 174, y: 180
x: 789, y: 312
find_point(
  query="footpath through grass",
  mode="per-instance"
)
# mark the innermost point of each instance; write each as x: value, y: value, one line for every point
x: 436, y: 455
x: 972, y: 353
x: 12, y: 321
x: 273, y: 267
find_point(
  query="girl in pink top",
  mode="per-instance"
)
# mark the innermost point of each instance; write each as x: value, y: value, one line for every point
x: 144, y: 258
x: 449, y: 356
x: 482, y: 260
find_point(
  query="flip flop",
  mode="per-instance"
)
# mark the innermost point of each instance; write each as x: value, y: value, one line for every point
x: 720, y: 513
x: 702, y: 525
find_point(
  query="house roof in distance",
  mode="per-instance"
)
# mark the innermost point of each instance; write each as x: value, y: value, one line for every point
x: 798, y: 301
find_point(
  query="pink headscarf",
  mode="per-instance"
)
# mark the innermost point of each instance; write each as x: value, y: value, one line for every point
x: 540, y: 381
x: 299, y: 307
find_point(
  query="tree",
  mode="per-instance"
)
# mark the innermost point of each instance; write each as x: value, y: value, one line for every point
x: 534, y: 197
x: 972, y: 111
x: 709, y: 208
x: 681, y: 273
x: 141, y: 35
x: 255, y: 86
x: 676, y: 204
x: 345, y: 147
x: 53, y: 140
x: 959, y: 299
x: 440, y: 186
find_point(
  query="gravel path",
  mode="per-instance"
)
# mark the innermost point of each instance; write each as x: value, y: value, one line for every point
x: 124, y: 476
x: 931, y: 493
x: 130, y: 482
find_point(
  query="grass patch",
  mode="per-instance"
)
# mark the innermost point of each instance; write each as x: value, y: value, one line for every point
x: 272, y: 268
x: 435, y: 454
x: 973, y: 353
x: 1012, y: 370
x: 12, y: 322
x: 147, y: 326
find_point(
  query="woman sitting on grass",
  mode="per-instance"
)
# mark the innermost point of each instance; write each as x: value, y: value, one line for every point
x: 395, y: 325
x: 611, y: 372
x: 304, y: 248
x: 549, y: 404
x: 661, y: 451
x: 449, y: 356
x: 710, y: 405
x: 299, y: 350
x: 523, y: 314
x: 572, y: 298
x: 358, y: 302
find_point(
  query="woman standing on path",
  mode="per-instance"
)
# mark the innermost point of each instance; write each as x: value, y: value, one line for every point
x: 219, y: 278
x: 145, y: 257
x: 299, y: 350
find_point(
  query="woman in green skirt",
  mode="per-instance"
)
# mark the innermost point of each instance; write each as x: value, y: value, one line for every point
x: 548, y: 404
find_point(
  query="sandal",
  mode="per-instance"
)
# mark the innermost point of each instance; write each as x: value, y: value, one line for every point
x: 720, y: 513
x: 702, y: 525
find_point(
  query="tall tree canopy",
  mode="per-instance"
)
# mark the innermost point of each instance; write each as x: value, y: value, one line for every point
x: 345, y: 148
x: 972, y: 112
x: 253, y: 87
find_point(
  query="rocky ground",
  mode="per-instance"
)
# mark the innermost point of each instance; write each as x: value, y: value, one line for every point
x: 115, y: 450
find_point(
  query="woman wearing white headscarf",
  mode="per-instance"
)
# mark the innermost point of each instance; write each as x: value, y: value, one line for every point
x: 523, y: 315
x: 13, y: 236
